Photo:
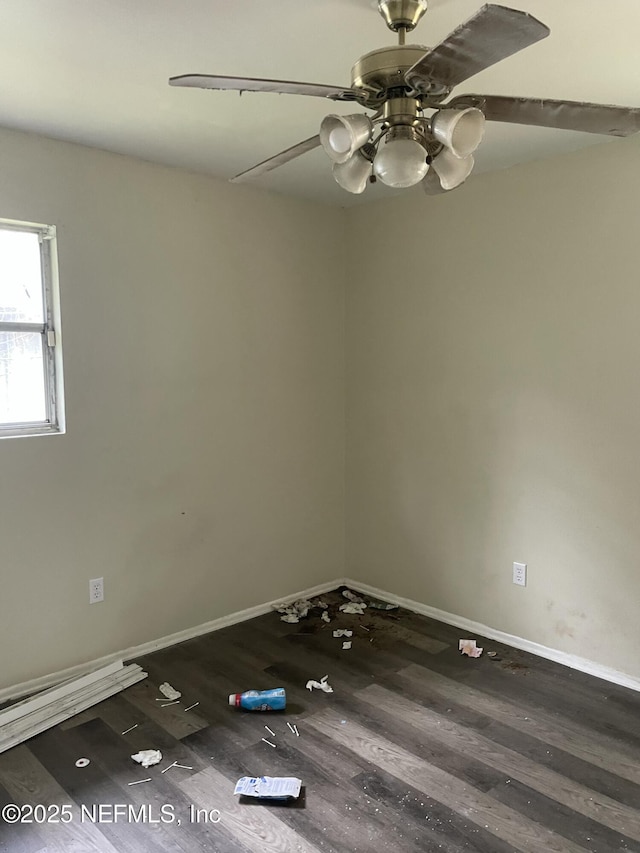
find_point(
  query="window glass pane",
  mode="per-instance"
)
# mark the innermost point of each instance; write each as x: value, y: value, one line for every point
x: 20, y: 277
x: 22, y: 390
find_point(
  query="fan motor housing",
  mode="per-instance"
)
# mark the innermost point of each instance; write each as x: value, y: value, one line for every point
x: 385, y: 68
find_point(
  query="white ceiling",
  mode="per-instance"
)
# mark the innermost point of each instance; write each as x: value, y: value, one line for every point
x: 95, y: 72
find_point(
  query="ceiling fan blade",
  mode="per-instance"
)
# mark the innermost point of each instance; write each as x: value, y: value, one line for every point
x: 565, y: 115
x: 489, y: 36
x: 254, y: 84
x: 279, y: 159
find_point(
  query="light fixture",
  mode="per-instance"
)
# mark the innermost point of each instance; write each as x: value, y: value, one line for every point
x: 401, y: 160
x: 451, y: 170
x: 460, y: 130
x: 353, y: 174
x: 431, y: 183
x: 342, y: 136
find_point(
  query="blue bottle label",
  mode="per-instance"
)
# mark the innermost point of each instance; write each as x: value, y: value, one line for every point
x: 264, y: 700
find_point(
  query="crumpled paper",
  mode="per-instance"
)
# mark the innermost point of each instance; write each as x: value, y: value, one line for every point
x: 325, y: 616
x: 167, y: 690
x: 375, y: 603
x: 346, y: 593
x: 295, y: 611
x: 346, y: 644
x: 148, y: 757
x: 468, y: 647
x: 320, y: 685
x: 342, y: 632
x: 354, y: 607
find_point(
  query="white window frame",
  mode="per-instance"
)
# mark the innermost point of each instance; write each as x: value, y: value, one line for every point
x: 50, y: 331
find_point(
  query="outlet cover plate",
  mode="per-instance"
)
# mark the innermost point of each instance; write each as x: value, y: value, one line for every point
x: 520, y: 574
x: 96, y: 590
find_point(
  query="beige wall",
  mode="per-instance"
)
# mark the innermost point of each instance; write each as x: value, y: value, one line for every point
x: 203, y: 467
x: 492, y: 416
x: 493, y: 361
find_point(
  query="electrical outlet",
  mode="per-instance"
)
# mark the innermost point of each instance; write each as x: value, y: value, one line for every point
x: 520, y: 574
x: 96, y: 590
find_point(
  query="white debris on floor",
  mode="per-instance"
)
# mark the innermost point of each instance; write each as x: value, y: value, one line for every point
x: 320, y: 685
x: 469, y: 647
x: 269, y: 787
x: 351, y: 596
x: 354, y: 607
x: 295, y: 611
x: 342, y: 632
x: 148, y: 757
x: 168, y: 691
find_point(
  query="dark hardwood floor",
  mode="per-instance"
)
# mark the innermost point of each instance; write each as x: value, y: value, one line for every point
x: 417, y: 749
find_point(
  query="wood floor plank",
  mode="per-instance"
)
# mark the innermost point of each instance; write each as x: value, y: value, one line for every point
x: 577, y: 797
x: 538, y: 750
x: 441, y: 828
x: 20, y: 837
x: 27, y: 781
x: 172, y: 718
x: 256, y: 828
x: 350, y: 817
x: 467, y: 768
x: 336, y: 818
x: 504, y: 822
x: 594, y: 836
x: 562, y: 732
x: 321, y: 651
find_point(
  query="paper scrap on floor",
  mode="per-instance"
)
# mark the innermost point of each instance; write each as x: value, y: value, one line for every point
x: 376, y: 603
x: 167, y: 690
x: 269, y: 787
x: 148, y: 757
x: 354, y: 607
x: 468, y: 647
x: 347, y: 644
x: 320, y: 685
x: 346, y: 593
x: 295, y: 611
x: 342, y: 632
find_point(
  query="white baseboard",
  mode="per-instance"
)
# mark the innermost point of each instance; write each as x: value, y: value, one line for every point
x: 572, y: 661
x: 26, y: 688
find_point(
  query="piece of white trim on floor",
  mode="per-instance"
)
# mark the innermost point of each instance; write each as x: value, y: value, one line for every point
x: 36, y: 715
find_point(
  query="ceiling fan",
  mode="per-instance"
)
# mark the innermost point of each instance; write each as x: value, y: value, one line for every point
x: 400, y: 145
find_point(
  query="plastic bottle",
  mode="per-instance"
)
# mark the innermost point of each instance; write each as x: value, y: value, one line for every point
x: 260, y: 700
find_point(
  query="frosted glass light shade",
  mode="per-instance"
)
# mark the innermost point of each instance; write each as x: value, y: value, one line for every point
x: 460, y: 130
x: 431, y: 183
x: 342, y: 136
x: 400, y: 162
x: 353, y: 174
x: 339, y: 139
x: 452, y: 170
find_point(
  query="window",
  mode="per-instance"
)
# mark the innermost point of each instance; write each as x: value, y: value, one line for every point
x: 30, y: 357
